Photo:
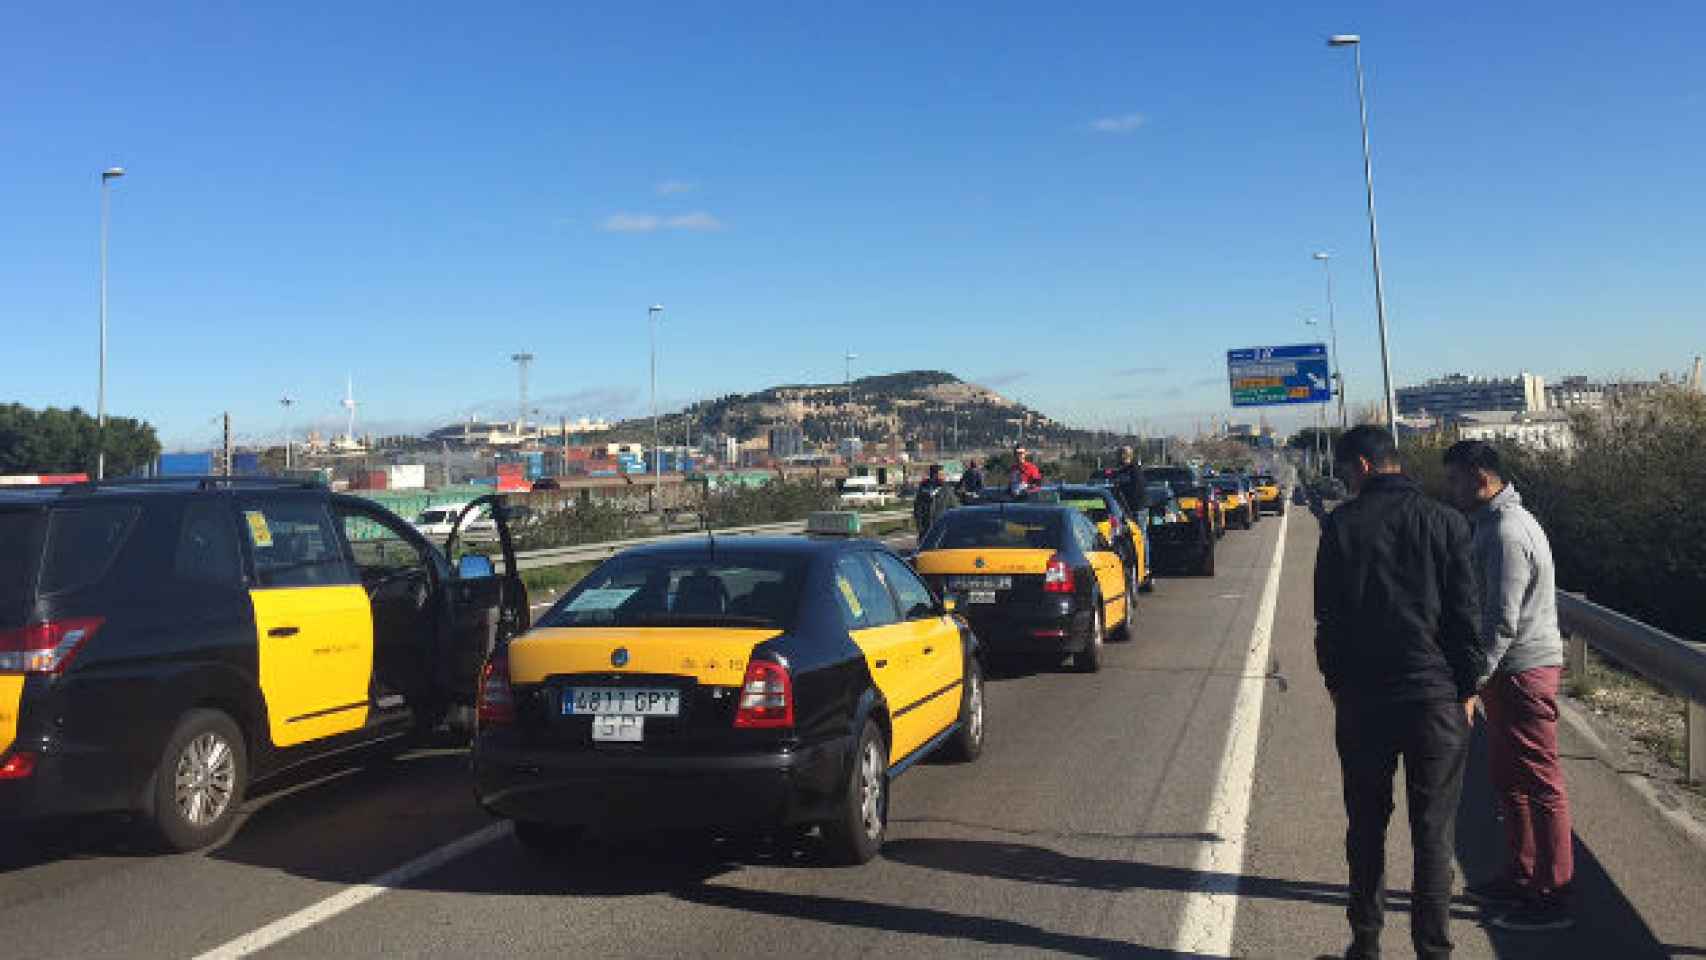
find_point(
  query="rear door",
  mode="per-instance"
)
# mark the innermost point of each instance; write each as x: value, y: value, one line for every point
x: 313, y: 621
x: 395, y: 567
x: 940, y: 661
x: 890, y: 646
x: 1105, y: 564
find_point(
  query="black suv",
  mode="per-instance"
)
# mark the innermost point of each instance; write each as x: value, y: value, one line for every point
x: 164, y: 643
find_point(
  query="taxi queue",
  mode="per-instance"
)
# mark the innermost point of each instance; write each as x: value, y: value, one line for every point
x: 784, y: 683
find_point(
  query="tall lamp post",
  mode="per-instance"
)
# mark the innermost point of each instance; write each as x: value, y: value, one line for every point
x: 850, y: 357
x: 652, y: 314
x: 107, y: 177
x: 1333, y: 329
x: 1355, y: 43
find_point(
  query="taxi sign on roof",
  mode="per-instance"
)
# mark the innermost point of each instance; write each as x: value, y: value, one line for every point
x: 833, y: 523
x: 1276, y: 376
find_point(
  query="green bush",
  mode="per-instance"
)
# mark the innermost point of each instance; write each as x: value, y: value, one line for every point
x: 775, y: 501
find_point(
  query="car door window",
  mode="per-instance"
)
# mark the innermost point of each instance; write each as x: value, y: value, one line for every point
x: 916, y: 601
x: 865, y: 602
x: 207, y: 545
x: 294, y: 544
x: 378, y: 546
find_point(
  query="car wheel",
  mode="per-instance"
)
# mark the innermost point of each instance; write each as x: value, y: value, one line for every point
x: 966, y: 745
x: 199, y: 782
x: 856, y: 834
x: 546, y: 839
x: 1089, y: 659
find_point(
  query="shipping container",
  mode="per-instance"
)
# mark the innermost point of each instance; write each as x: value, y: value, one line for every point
x: 246, y: 464
x: 406, y: 476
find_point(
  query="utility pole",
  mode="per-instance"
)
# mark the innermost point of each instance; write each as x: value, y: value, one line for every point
x: 225, y: 459
x: 286, y: 402
x: 522, y: 361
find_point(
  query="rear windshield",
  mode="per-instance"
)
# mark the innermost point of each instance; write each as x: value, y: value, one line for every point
x: 686, y: 590
x: 20, y: 535
x: 1175, y: 475
x: 1226, y: 483
x: 1093, y: 507
x: 997, y: 530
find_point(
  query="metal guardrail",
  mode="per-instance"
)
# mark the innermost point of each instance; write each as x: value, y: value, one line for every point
x: 586, y: 552
x: 1666, y: 660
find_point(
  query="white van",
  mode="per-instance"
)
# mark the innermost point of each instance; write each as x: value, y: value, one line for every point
x: 864, y: 492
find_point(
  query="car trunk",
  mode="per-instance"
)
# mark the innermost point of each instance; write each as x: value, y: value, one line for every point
x: 986, y: 576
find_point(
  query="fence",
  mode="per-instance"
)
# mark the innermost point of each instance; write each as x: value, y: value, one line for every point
x: 1662, y: 658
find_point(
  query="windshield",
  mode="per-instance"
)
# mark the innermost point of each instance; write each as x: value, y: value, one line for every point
x: 685, y: 590
x: 999, y: 530
x: 20, y: 532
x: 1174, y: 475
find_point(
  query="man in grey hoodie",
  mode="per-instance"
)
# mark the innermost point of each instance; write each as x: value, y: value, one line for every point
x: 1525, y: 657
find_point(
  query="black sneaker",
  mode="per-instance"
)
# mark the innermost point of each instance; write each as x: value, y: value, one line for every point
x: 1500, y: 891
x: 1536, y: 916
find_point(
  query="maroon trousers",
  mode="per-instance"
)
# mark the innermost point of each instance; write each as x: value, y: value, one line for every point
x: 1522, y: 746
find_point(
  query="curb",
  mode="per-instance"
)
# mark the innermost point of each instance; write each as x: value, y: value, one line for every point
x: 1617, y: 761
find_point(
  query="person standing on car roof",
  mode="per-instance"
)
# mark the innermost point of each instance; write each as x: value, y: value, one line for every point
x: 1398, y: 640
x: 970, y: 484
x: 1132, y: 487
x: 934, y: 498
x: 1025, y: 477
x: 1525, y: 661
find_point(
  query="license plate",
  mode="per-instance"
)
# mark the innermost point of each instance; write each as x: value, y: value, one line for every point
x: 981, y: 583
x: 618, y: 728
x: 980, y: 596
x: 1158, y: 521
x: 627, y: 701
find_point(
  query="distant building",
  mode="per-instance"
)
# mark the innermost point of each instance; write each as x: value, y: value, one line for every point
x: 786, y: 440
x: 1450, y: 396
x: 1580, y: 393
x: 1546, y: 430
x: 851, y: 448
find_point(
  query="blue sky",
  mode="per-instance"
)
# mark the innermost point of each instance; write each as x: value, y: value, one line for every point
x: 1081, y: 205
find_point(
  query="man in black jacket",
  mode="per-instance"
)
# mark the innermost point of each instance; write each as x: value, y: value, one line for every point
x: 934, y: 498
x: 1398, y: 640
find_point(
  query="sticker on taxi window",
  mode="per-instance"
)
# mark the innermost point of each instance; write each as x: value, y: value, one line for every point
x: 259, y: 533
x: 848, y: 595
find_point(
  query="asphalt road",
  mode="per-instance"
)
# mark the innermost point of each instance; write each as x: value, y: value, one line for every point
x: 1078, y: 833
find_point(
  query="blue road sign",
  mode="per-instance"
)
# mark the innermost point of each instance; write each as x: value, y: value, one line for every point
x: 1275, y: 376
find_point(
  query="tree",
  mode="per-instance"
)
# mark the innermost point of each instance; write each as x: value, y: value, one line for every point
x: 66, y: 441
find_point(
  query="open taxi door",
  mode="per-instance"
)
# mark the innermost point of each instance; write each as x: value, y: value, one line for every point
x: 488, y: 598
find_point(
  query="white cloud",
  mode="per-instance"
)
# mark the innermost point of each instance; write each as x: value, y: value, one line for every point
x: 632, y: 222
x: 697, y: 220
x: 1124, y: 123
x: 672, y: 187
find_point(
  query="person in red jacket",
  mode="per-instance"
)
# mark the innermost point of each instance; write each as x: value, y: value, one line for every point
x: 1025, y: 476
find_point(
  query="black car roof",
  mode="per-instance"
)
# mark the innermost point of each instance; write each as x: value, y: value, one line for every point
x: 154, y: 486
x: 777, y: 545
x: 1088, y: 490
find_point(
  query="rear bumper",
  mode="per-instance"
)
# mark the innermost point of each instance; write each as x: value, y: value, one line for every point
x: 1055, y: 625
x: 597, y: 788
x: 65, y: 782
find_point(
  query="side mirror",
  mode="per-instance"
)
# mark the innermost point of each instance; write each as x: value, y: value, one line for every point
x: 950, y: 603
x: 474, y: 566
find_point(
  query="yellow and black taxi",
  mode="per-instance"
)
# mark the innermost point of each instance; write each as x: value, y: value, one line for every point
x: 163, y: 644
x: 746, y: 683
x: 1182, y: 541
x: 1269, y: 497
x: 1126, y: 532
x: 1236, y: 499
x: 1030, y: 578
x: 1194, y: 493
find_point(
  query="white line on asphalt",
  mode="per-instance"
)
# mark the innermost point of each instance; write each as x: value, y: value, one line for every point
x: 1211, y: 910
x: 257, y: 940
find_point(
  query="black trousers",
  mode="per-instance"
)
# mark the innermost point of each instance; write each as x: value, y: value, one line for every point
x: 1433, y: 741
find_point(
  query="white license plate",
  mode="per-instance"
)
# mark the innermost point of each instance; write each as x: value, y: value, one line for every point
x: 980, y: 596
x: 981, y: 583
x: 628, y: 701
x: 618, y: 728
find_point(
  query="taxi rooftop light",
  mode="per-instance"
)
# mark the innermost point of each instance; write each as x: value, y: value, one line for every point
x: 833, y: 523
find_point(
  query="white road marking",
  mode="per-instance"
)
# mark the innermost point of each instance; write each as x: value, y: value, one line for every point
x: 260, y: 939
x: 1211, y: 910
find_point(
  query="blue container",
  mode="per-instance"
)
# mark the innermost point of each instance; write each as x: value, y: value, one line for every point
x: 246, y: 464
x: 485, y: 481
x: 186, y: 464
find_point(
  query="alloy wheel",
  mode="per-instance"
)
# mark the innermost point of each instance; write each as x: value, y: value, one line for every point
x: 205, y: 779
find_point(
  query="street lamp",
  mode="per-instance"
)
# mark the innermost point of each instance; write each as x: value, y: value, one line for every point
x: 1355, y: 43
x: 850, y: 357
x: 1333, y: 327
x: 107, y: 176
x: 652, y: 314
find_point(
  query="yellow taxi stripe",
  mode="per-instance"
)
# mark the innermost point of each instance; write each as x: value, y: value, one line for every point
x: 995, y: 560
x: 715, y: 656
x: 11, y: 701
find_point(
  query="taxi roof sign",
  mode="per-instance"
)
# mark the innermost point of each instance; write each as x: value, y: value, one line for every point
x: 833, y: 523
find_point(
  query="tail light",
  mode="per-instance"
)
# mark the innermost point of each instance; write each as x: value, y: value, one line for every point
x: 496, y: 703
x: 1057, y: 578
x: 18, y: 766
x: 766, y: 697
x: 45, y: 647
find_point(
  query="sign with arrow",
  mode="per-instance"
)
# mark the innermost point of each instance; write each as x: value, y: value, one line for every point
x: 1278, y: 376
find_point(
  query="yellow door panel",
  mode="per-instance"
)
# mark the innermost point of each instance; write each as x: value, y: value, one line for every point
x: 11, y: 701
x: 316, y: 660
x: 713, y: 656
x: 994, y: 561
x: 941, y: 663
x: 1110, y: 575
x: 891, y: 654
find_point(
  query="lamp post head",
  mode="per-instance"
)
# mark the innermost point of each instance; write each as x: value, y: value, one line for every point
x: 111, y: 173
x: 1322, y: 255
x: 1343, y: 40
x: 655, y: 308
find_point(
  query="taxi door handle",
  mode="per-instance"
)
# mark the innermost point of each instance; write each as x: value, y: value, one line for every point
x: 929, y: 650
x: 284, y: 631
x: 882, y: 663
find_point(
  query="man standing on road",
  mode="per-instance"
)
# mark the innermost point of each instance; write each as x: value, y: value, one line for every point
x: 1524, y: 663
x: 1398, y: 641
x: 934, y: 498
x: 1026, y: 477
x: 1132, y: 487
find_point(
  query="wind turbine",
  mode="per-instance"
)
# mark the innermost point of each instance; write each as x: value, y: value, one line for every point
x: 286, y: 402
x: 349, y: 406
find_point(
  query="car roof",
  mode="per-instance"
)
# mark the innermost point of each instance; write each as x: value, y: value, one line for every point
x: 149, y: 486
x: 776, y: 545
x: 1019, y: 509
x: 1105, y: 494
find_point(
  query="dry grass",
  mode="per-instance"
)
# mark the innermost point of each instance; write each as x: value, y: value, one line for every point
x: 1647, y: 715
